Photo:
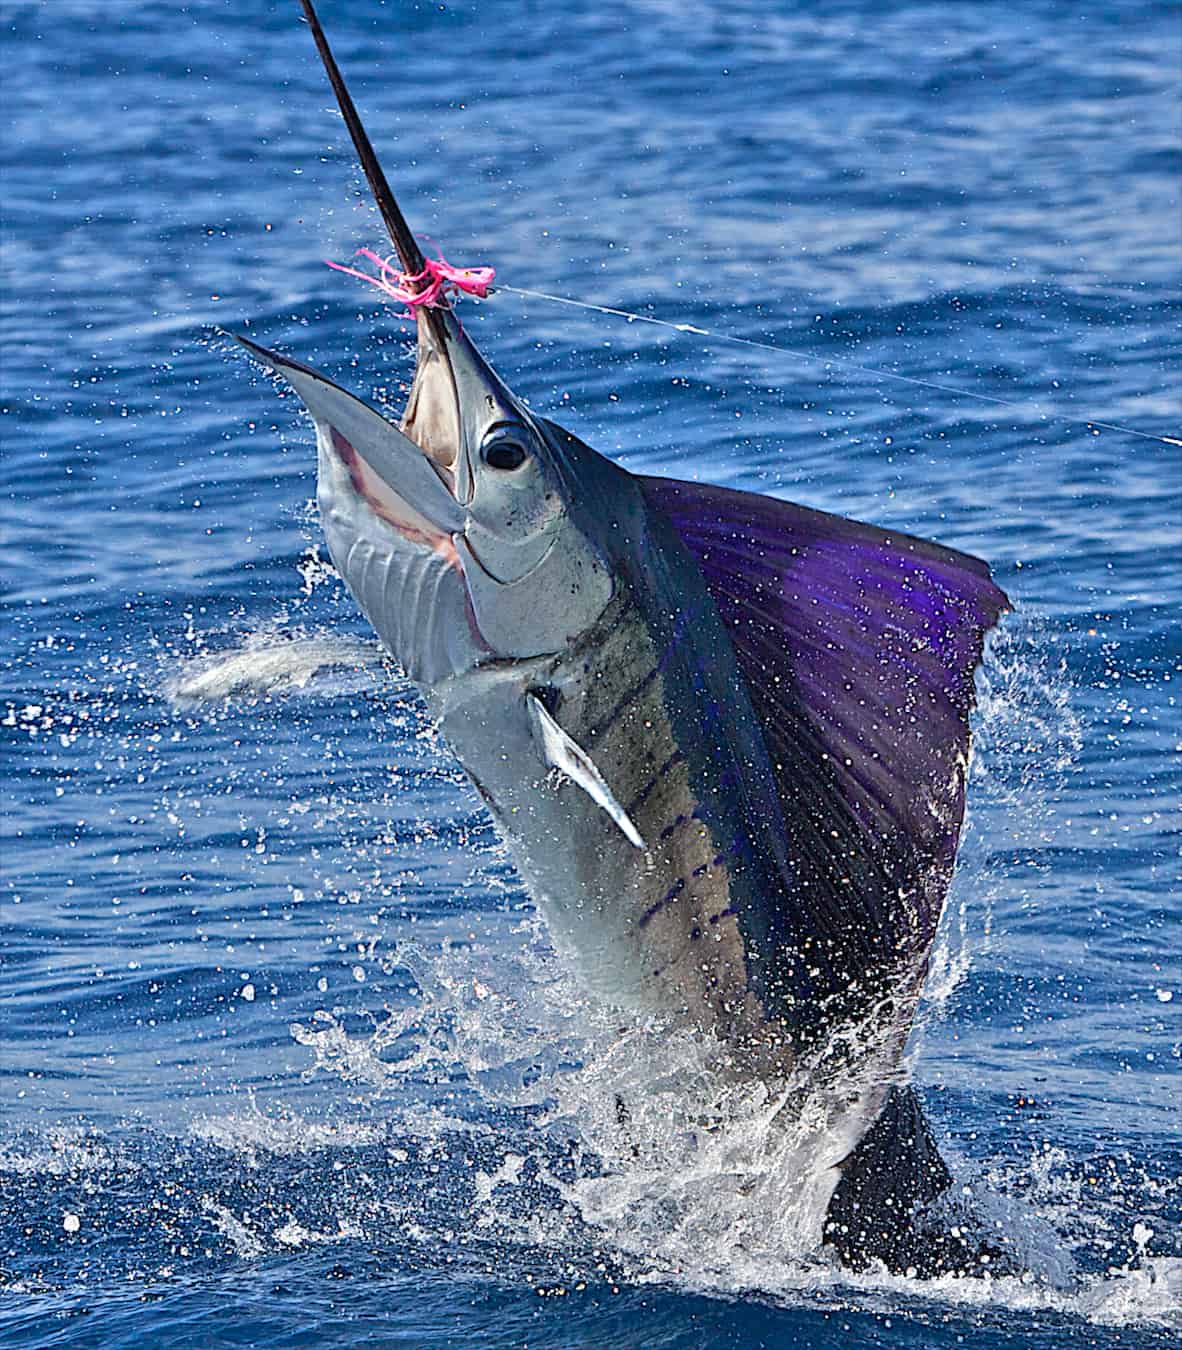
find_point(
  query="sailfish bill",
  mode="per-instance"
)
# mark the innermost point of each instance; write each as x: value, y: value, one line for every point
x: 725, y: 737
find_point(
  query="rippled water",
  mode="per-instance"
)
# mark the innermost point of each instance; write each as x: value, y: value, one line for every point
x: 285, y: 1058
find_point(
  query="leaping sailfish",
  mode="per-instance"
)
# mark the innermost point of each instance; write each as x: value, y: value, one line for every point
x: 758, y: 714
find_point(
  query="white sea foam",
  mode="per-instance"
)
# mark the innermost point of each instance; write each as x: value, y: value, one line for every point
x: 267, y: 661
x: 238, y: 1233
x: 63, y: 1151
x: 253, y: 1133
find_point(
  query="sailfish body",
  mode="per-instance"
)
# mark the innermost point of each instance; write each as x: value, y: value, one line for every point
x: 724, y: 737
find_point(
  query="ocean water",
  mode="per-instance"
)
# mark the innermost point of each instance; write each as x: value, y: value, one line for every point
x: 285, y: 1057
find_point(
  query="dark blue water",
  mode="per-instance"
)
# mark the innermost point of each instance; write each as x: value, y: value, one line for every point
x: 285, y: 1059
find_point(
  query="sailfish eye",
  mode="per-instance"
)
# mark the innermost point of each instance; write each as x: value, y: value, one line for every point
x: 504, y: 452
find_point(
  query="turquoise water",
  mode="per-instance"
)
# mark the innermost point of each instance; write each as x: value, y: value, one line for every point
x: 286, y: 1059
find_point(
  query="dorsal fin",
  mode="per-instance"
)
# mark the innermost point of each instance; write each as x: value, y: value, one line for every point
x: 859, y: 647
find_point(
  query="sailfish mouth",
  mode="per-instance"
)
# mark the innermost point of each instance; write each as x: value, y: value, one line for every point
x: 433, y: 420
x: 413, y: 476
x: 420, y: 475
x: 397, y: 480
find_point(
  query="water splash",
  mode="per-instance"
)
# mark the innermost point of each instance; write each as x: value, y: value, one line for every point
x: 1027, y: 740
x: 270, y: 660
x: 598, y: 1138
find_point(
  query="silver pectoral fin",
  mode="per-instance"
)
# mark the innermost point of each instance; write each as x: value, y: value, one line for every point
x: 569, y: 758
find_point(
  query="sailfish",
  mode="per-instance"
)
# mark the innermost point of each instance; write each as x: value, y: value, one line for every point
x: 724, y: 737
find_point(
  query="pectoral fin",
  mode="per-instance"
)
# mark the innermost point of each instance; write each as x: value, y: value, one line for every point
x: 570, y: 759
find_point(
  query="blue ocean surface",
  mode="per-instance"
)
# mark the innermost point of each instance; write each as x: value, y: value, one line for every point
x: 286, y: 1058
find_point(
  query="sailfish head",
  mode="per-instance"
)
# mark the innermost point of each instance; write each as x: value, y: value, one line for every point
x: 463, y: 531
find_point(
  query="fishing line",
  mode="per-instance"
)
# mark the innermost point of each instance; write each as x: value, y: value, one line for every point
x: 873, y: 371
x: 438, y: 281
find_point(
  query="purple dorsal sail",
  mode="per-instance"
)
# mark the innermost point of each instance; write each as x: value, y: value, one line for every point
x: 859, y: 647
